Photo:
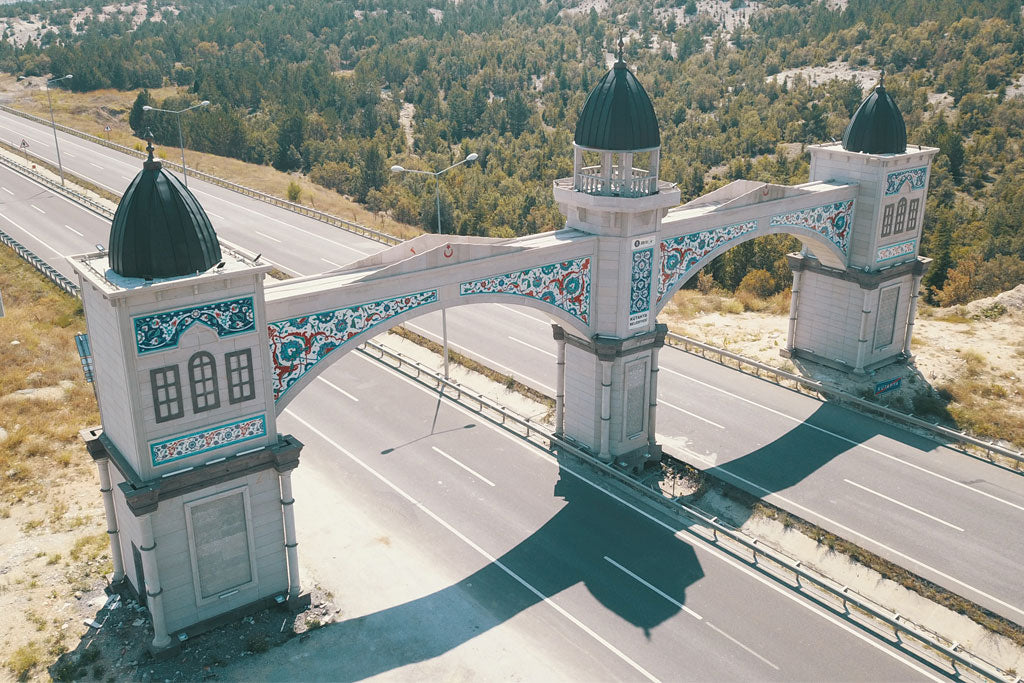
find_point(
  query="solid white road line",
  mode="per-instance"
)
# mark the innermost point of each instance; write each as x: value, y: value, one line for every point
x: 334, y: 386
x: 73, y: 230
x: 486, y: 555
x: 535, y: 348
x: 902, y: 504
x: 7, y: 191
x: 37, y: 209
x: 739, y: 644
x: 263, y: 234
x: 32, y: 236
x: 290, y: 226
x: 787, y: 502
x: 856, y: 444
x: 663, y: 402
x: 468, y: 469
x: 654, y: 588
x: 695, y: 540
x: 493, y: 363
x: 285, y: 268
x: 330, y: 262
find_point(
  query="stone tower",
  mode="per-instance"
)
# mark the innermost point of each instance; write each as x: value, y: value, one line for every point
x: 861, y: 318
x: 615, y: 194
x: 194, y: 476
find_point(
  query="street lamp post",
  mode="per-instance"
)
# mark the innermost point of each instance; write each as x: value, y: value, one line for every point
x: 53, y: 124
x: 437, y: 207
x: 181, y: 140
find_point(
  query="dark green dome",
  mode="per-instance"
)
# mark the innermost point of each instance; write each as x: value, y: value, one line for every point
x: 877, y: 127
x: 618, y: 114
x: 160, y: 230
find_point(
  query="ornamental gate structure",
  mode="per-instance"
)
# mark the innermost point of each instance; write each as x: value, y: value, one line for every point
x: 196, y: 355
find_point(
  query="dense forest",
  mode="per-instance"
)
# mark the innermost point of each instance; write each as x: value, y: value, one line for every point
x: 323, y: 87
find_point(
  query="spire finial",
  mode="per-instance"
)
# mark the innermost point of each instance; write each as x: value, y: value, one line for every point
x: 621, y: 46
x: 881, y: 79
x: 148, y: 135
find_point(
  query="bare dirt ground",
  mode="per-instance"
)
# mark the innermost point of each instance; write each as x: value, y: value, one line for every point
x: 817, y: 75
x: 967, y: 368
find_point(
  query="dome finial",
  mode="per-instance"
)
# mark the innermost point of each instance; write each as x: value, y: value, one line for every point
x: 148, y: 136
x: 621, y: 46
x: 881, y: 79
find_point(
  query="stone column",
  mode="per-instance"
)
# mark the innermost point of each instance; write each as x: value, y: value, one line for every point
x: 606, y: 410
x: 103, y: 465
x: 560, y: 371
x: 794, y: 306
x: 912, y: 315
x: 862, y: 340
x: 290, y: 544
x: 154, y: 592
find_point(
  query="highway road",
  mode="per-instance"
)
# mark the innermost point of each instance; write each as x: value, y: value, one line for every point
x: 458, y: 551
x: 952, y: 519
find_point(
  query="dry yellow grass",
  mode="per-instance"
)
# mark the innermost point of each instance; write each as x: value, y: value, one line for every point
x: 91, y: 112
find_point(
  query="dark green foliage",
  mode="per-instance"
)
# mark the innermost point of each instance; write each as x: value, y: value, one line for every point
x: 318, y: 86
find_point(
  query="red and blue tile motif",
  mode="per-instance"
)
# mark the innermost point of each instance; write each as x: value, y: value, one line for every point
x: 188, y: 445
x: 832, y: 221
x: 895, y: 181
x: 160, y: 331
x: 564, y: 285
x: 895, y: 251
x: 298, y: 344
x: 680, y: 254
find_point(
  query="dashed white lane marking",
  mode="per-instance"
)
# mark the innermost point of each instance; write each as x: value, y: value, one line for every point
x: 73, y: 230
x: 786, y: 501
x: 37, y: 209
x: 7, y: 191
x: 263, y: 234
x: 95, y: 165
x: 129, y: 178
x: 513, y: 309
x: 32, y: 236
x: 329, y: 261
x: 69, y: 154
x: 216, y: 215
x: 493, y: 363
x: 856, y: 444
x: 486, y: 555
x: 696, y: 540
x: 334, y: 386
x: 535, y: 348
x: 739, y: 644
x: 654, y: 588
x: 902, y: 504
x: 468, y: 469
x: 663, y: 402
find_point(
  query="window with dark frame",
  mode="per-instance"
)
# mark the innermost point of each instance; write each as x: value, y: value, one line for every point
x: 901, y: 216
x: 166, y: 385
x: 887, y: 220
x: 202, y: 376
x: 915, y: 206
x: 241, y: 386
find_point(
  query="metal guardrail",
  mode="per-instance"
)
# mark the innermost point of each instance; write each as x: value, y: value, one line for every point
x: 327, y: 218
x: 841, y: 396
x: 752, y: 552
x: 87, y: 202
x: 988, y: 447
x: 39, y: 264
x: 851, y: 604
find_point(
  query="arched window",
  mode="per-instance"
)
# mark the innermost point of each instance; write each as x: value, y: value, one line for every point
x: 202, y: 376
x: 887, y: 219
x: 901, y: 216
x: 915, y: 206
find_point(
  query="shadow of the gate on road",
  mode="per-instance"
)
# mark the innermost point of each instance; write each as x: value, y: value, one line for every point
x: 581, y: 544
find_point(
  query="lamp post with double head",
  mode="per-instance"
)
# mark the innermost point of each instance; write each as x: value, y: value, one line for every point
x: 181, y: 140
x: 53, y: 124
x: 437, y: 207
